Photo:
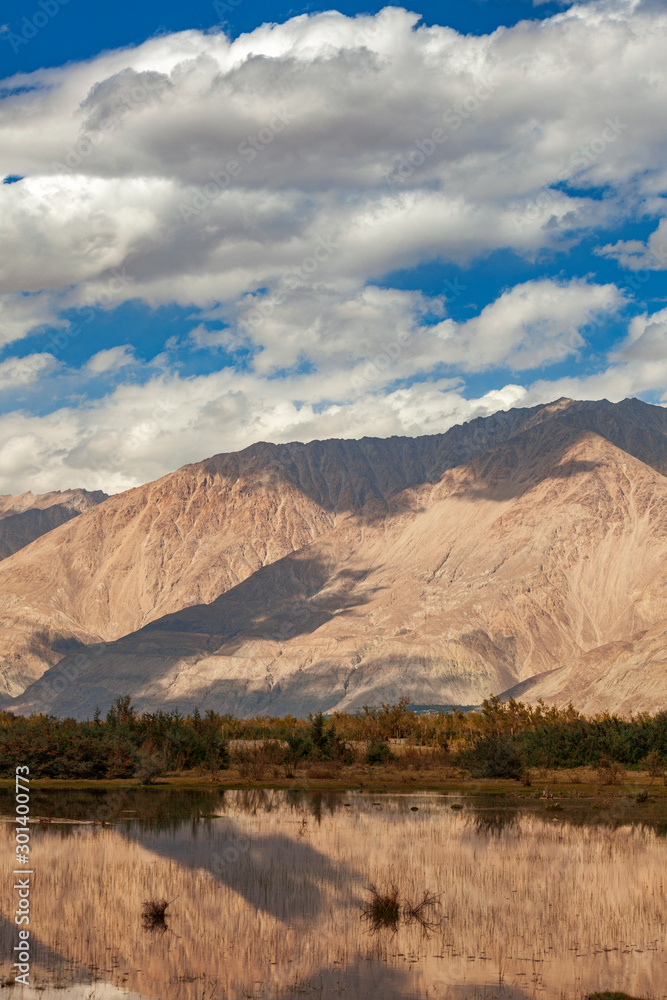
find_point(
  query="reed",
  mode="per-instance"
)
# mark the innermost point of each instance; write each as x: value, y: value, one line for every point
x: 265, y: 898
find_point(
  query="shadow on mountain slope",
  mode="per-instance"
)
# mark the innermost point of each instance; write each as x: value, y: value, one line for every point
x: 294, y: 596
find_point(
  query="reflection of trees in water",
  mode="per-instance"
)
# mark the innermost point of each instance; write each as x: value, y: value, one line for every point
x: 493, y: 821
x: 155, y: 808
x: 282, y: 908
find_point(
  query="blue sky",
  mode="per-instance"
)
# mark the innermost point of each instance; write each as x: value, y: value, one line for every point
x: 369, y: 221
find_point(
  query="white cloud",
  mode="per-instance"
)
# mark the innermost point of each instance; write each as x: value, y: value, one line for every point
x: 138, y: 433
x: 340, y: 358
x: 636, y: 367
x: 530, y: 325
x: 195, y: 169
x: 272, y: 182
x: 110, y: 360
x: 646, y: 341
x: 24, y: 314
x: 17, y: 372
x: 637, y: 255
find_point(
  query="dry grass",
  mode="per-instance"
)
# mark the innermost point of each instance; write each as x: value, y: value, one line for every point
x: 153, y: 914
x: 383, y: 909
x: 582, y: 907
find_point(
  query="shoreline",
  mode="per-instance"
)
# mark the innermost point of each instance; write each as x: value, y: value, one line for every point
x: 554, y: 786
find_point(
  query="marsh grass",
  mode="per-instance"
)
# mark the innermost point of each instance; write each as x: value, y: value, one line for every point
x: 153, y: 915
x: 383, y: 909
x: 425, y: 912
x: 283, y: 905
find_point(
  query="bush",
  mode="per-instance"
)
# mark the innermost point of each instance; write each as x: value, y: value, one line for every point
x: 495, y: 756
x: 251, y: 762
x: 610, y: 772
x: 378, y: 752
x: 383, y: 909
x: 150, y: 767
x: 153, y: 913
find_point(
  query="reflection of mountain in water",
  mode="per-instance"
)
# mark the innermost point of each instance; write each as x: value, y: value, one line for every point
x: 265, y: 900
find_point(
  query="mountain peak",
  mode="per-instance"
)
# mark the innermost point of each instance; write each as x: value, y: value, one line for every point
x: 336, y: 573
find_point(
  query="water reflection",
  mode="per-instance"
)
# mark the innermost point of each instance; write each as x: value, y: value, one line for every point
x: 267, y: 888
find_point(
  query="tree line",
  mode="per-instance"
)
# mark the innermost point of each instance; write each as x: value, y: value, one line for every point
x: 500, y: 739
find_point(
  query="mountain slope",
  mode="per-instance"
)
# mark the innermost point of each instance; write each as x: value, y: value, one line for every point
x: 27, y: 517
x: 626, y: 676
x: 548, y: 546
x: 194, y: 534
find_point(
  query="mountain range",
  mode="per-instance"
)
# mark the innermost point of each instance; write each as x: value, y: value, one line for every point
x: 519, y: 553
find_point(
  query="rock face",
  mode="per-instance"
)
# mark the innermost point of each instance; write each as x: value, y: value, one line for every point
x: 523, y: 549
x: 27, y: 517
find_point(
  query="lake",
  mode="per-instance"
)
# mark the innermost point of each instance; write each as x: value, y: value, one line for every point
x: 267, y: 891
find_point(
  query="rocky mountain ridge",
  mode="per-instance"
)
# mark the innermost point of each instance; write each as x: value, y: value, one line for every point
x: 519, y: 552
x: 28, y: 516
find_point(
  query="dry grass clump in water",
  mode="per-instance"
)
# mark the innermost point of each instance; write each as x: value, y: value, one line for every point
x: 153, y: 913
x: 383, y: 909
x: 423, y: 912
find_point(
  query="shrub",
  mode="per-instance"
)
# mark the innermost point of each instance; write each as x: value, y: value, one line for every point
x: 150, y: 767
x: 610, y: 772
x: 383, y: 909
x: 153, y: 914
x: 655, y: 766
x: 495, y: 756
x: 378, y: 752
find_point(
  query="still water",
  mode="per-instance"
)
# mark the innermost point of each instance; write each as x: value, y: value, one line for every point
x: 266, y: 890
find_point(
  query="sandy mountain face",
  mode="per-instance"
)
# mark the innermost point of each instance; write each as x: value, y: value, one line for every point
x: 27, y: 517
x: 197, y: 533
x: 523, y: 549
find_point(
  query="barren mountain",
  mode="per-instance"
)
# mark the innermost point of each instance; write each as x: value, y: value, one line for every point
x: 515, y: 550
x: 625, y: 676
x: 26, y: 517
x: 191, y: 536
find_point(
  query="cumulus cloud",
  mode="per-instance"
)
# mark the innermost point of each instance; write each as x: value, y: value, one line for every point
x: 138, y: 433
x: 203, y: 168
x: 325, y: 364
x: 23, y: 314
x: 637, y: 255
x: 271, y: 183
x: 646, y: 340
x: 110, y: 360
x: 530, y: 325
x: 22, y: 371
